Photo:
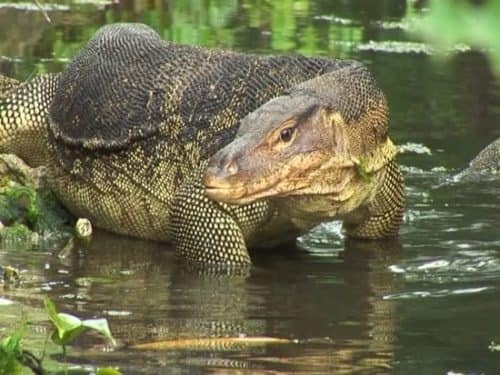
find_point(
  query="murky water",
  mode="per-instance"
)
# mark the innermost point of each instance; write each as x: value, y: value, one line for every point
x: 428, y: 303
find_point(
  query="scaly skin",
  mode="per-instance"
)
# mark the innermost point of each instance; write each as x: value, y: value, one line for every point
x: 23, y: 118
x: 128, y: 130
x: 486, y: 163
x: 7, y: 84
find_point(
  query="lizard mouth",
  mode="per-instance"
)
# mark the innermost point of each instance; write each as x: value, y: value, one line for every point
x: 228, y: 194
x: 221, y: 190
x: 240, y: 192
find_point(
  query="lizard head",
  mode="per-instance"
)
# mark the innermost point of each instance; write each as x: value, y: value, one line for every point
x: 308, y: 142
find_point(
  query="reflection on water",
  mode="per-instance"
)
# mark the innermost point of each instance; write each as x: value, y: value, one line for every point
x: 424, y: 304
x: 332, y: 306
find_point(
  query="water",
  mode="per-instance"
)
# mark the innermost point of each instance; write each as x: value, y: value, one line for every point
x: 428, y: 303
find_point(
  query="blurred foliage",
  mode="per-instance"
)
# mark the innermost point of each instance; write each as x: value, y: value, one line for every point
x: 450, y: 22
x: 311, y: 27
x: 10, y: 353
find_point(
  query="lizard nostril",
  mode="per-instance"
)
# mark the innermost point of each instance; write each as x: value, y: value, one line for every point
x: 231, y: 167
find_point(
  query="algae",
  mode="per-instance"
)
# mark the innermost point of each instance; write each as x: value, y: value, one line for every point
x: 30, y: 215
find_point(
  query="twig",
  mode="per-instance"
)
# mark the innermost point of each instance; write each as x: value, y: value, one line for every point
x: 44, y: 12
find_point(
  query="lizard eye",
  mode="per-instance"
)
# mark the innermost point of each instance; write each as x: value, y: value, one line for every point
x: 286, y: 134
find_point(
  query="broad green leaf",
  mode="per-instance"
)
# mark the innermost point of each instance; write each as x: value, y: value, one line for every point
x: 64, y: 337
x: 69, y: 322
x: 51, y: 311
x: 108, y: 371
x: 101, y: 326
x: 67, y: 326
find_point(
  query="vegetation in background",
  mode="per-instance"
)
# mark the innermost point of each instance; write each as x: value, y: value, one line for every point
x: 450, y: 22
x: 305, y: 26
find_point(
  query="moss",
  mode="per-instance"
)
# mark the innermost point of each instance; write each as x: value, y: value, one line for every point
x: 29, y: 215
x: 19, y: 231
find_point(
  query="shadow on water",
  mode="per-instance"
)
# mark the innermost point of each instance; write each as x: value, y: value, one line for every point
x: 426, y: 304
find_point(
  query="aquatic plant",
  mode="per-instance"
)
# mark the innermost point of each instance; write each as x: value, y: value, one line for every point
x: 14, y: 358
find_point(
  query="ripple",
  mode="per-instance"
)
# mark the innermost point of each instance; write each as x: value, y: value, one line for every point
x: 394, y: 46
x: 435, y: 293
x: 434, y: 264
x: 429, y: 214
x: 435, y: 173
x: 415, y: 148
x: 323, y: 238
x: 334, y: 19
x: 5, y: 302
x: 32, y: 7
x: 464, y: 266
x: 392, y: 25
x: 117, y: 312
x: 10, y: 58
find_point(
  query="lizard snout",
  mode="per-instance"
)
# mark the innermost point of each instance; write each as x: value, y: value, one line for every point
x: 220, y: 174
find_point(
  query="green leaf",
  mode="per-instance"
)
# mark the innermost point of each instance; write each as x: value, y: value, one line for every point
x: 108, y: 371
x: 65, y: 337
x: 62, y: 322
x: 101, y: 326
x: 69, y: 322
x: 10, y: 352
x: 67, y: 326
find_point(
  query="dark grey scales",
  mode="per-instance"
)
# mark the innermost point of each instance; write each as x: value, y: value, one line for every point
x: 211, y: 150
x: 485, y: 164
